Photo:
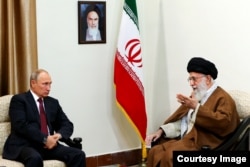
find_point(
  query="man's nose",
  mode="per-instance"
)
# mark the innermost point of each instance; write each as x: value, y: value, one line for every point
x: 48, y: 87
x: 191, y: 82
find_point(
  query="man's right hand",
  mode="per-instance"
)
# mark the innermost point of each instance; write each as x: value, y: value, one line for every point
x: 51, y: 141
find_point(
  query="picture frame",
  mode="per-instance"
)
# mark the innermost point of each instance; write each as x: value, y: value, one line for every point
x: 91, y: 22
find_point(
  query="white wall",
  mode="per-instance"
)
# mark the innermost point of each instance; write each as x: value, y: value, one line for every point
x: 172, y: 31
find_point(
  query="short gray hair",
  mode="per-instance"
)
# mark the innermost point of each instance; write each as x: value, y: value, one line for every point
x: 34, y: 75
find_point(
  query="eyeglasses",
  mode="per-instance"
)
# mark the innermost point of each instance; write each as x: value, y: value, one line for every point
x: 194, y: 78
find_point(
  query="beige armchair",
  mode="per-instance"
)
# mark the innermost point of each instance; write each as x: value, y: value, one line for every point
x: 4, y: 132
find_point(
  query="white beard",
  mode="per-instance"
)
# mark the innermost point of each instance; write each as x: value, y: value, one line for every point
x: 93, y: 32
x: 200, y: 90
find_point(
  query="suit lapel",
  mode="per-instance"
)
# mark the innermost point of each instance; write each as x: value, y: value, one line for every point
x: 33, y: 104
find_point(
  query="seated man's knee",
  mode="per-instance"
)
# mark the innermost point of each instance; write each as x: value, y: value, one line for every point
x: 81, y: 154
x: 34, y: 159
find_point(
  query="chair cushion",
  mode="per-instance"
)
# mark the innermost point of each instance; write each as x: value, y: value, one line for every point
x: 8, y: 163
x: 54, y: 163
x: 242, y: 100
x: 4, y: 108
x: 4, y: 133
x: 47, y: 163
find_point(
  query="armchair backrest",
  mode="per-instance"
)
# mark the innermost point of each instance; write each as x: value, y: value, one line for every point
x: 239, y: 140
x: 4, y: 120
x: 242, y: 100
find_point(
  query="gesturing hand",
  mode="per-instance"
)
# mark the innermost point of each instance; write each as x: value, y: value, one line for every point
x: 187, y: 101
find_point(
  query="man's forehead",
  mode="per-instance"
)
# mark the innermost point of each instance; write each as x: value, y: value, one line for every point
x: 44, y: 77
x: 93, y: 14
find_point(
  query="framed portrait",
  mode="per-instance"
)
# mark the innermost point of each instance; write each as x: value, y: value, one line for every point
x: 91, y: 22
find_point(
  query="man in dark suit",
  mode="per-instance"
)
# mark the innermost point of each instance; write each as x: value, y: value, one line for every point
x: 28, y: 143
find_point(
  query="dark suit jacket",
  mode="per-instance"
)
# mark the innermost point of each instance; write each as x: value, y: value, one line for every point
x: 25, y: 123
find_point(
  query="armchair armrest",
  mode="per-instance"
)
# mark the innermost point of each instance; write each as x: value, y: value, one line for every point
x: 238, y: 140
x: 75, y: 142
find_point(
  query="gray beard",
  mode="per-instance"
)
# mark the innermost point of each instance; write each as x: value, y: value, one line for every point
x: 201, y: 90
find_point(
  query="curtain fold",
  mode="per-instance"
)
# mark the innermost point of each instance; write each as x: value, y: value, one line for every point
x: 18, y: 45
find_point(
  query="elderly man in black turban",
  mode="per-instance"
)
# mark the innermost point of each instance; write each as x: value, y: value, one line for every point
x: 207, y: 117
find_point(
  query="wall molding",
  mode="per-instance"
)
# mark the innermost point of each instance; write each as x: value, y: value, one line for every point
x: 125, y: 158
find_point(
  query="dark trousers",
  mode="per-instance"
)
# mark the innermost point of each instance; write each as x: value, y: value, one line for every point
x: 72, y: 157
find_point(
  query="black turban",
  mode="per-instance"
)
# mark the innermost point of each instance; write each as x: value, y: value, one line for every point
x: 200, y: 65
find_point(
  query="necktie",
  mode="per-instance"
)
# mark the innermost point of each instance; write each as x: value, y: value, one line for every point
x: 43, y: 119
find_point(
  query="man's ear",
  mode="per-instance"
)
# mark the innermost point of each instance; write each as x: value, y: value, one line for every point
x: 209, y: 78
x: 32, y: 82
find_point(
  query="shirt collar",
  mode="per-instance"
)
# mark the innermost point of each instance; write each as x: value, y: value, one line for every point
x: 34, y: 95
